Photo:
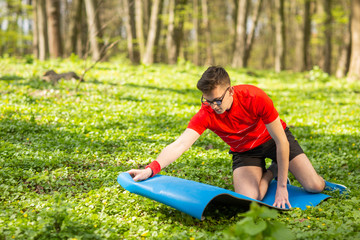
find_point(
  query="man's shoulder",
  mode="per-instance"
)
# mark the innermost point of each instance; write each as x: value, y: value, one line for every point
x: 247, y: 90
x: 243, y: 87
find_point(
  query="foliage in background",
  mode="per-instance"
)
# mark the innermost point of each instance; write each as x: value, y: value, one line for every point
x: 61, y: 150
x: 17, y: 28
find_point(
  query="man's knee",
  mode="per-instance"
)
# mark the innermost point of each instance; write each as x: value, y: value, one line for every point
x: 315, y: 186
x: 250, y: 193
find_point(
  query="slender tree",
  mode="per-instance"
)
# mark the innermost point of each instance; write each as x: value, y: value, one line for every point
x: 159, y: 37
x: 354, y: 69
x: 53, y: 14
x: 42, y: 29
x: 170, y: 36
x: 35, y: 30
x: 240, y: 36
x: 306, y: 36
x: 140, y: 27
x: 74, y: 26
x: 148, y: 57
x: 180, y: 13
x: 129, y: 15
x: 195, y: 17
x: 95, y: 34
x: 295, y: 39
x: 345, y: 50
x: 327, y: 49
x: 280, y: 37
x: 250, y: 38
x: 206, y: 25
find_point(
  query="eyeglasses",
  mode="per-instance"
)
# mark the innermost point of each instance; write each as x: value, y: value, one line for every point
x: 217, y: 102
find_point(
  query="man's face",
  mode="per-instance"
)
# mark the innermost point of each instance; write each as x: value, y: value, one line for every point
x: 221, y: 94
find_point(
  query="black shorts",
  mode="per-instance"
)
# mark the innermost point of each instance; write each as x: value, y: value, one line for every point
x: 256, y: 156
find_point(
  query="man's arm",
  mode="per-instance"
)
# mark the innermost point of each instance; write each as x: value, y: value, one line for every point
x: 277, y: 132
x: 169, y: 154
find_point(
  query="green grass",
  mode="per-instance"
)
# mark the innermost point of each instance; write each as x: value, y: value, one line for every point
x: 61, y: 150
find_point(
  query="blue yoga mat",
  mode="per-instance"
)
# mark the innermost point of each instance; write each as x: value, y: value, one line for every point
x: 192, y: 197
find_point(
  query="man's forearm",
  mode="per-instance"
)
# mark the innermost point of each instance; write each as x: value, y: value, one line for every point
x: 283, y: 163
x: 170, y: 153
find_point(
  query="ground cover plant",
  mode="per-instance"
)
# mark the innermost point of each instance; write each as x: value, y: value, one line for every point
x: 61, y: 151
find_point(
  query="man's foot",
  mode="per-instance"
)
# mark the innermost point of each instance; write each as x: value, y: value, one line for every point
x: 334, y: 186
x: 274, y: 169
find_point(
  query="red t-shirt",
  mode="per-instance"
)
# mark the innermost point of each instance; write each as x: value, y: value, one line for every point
x: 242, y: 127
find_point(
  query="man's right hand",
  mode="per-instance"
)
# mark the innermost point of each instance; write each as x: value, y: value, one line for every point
x: 140, y: 174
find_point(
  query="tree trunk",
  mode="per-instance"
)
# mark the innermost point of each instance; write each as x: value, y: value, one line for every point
x: 240, y: 36
x: 327, y: 50
x: 74, y: 21
x: 133, y: 52
x: 150, y: 43
x: 344, y: 58
x: 180, y: 12
x: 94, y: 28
x: 158, y: 36
x: 297, y: 35
x: 53, y: 13
x: 354, y: 69
x: 147, y: 5
x: 160, y: 55
x: 206, y: 24
x: 83, y: 30
x: 170, y: 36
x: 35, y: 30
x: 42, y: 27
x: 251, y: 36
x: 280, y: 36
x: 306, y: 36
x: 140, y: 27
x: 196, y: 58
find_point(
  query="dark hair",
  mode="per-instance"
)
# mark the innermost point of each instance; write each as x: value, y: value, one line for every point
x: 213, y: 77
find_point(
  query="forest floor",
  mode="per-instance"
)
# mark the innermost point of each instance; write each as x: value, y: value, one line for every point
x: 61, y: 150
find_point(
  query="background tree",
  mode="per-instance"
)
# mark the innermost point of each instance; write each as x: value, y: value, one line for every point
x: 354, y: 70
x: 306, y: 36
x: 95, y: 33
x: 344, y: 49
x: 140, y: 27
x: 195, y: 17
x: 241, y: 33
x: 251, y: 36
x: 42, y: 29
x: 170, y: 36
x: 55, y: 40
x: 35, y: 30
x: 280, y: 49
x: 76, y: 13
x: 129, y: 15
x: 326, y: 56
x: 148, y: 57
x: 206, y: 26
x: 240, y: 37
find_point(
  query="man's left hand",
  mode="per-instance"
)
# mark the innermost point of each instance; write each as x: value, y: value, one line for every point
x: 282, y: 198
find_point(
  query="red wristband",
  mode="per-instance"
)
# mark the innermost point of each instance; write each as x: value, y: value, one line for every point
x: 155, y: 167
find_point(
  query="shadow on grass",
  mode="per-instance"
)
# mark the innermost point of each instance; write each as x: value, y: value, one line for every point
x: 11, y: 78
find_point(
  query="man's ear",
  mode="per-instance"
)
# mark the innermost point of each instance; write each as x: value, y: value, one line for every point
x: 231, y: 90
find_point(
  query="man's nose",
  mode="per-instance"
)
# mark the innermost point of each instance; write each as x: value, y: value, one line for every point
x: 214, y: 106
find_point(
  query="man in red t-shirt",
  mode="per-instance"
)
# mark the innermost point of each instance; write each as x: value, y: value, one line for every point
x: 246, y: 119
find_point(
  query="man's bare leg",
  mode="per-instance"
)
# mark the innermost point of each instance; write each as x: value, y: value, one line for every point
x: 251, y: 182
x: 264, y: 183
x: 305, y: 173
